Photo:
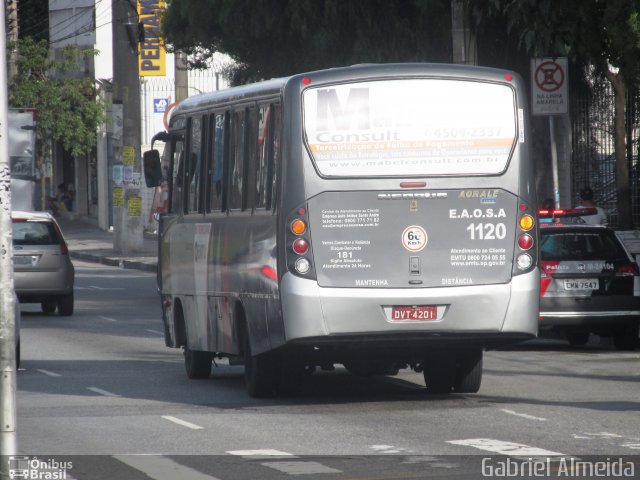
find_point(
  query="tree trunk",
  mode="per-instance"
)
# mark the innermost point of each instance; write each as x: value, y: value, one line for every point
x: 622, y: 169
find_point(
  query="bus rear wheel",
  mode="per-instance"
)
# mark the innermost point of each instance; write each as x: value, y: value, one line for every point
x: 457, y: 371
x: 197, y: 363
x: 438, y: 371
x: 468, y: 376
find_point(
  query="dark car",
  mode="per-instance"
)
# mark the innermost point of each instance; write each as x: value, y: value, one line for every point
x: 589, y: 284
x: 43, y: 272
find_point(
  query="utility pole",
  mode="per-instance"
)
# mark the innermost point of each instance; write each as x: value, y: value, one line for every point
x: 181, y: 76
x: 127, y: 198
x: 8, y: 443
x: 12, y: 35
x: 462, y: 38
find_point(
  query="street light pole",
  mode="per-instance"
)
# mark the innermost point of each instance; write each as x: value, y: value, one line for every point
x: 8, y: 443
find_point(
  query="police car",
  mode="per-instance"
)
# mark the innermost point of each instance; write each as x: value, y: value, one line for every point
x: 589, y: 282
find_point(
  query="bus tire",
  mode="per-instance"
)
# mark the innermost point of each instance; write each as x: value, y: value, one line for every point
x: 439, y: 372
x: 197, y: 363
x: 260, y: 371
x: 49, y: 306
x: 468, y: 371
x: 291, y: 373
x: 577, y: 338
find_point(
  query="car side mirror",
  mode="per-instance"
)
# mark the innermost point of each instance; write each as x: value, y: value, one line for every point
x: 152, y: 168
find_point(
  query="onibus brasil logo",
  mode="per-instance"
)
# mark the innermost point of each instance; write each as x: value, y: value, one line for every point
x: 37, y: 469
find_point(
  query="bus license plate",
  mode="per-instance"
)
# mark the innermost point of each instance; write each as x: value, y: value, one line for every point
x: 584, y: 284
x: 419, y: 312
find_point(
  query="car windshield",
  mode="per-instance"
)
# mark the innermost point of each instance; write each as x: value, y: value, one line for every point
x: 34, y: 233
x: 580, y: 245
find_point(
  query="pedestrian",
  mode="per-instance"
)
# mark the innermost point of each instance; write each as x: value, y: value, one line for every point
x: 586, y: 201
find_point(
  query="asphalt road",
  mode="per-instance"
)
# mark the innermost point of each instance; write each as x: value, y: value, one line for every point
x: 101, y: 387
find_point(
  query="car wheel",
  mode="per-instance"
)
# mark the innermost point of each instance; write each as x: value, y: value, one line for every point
x: 65, y: 305
x: 259, y: 371
x: 49, y: 306
x: 468, y: 375
x: 577, y: 338
x: 197, y: 363
x: 626, y: 338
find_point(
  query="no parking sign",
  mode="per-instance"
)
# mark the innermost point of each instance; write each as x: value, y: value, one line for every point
x: 549, y: 92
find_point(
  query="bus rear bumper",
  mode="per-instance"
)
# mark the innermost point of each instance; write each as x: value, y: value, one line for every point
x: 489, y: 313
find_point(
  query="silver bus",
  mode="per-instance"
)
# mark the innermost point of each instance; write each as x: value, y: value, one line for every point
x: 380, y: 217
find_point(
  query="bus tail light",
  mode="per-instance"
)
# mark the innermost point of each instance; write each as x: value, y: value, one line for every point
x: 300, y: 246
x: 525, y: 255
x: 525, y: 241
x: 299, y: 251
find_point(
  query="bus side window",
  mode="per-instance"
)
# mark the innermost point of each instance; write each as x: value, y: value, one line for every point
x: 251, y: 160
x: 216, y: 166
x: 177, y: 161
x: 195, y: 163
x: 275, y: 134
x: 237, y: 160
x: 264, y: 127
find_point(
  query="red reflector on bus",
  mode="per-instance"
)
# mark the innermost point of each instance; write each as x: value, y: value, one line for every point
x: 306, y: 81
x: 508, y: 77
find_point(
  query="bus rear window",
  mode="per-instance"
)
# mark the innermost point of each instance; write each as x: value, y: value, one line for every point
x: 410, y: 127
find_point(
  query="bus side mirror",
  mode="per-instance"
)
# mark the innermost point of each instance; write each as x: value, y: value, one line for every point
x: 152, y: 168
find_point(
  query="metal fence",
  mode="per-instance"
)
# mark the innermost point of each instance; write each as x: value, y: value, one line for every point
x: 593, y: 160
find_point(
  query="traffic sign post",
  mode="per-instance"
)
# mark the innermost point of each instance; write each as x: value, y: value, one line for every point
x: 550, y: 96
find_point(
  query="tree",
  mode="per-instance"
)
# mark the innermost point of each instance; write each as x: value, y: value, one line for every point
x: 271, y: 38
x: 604, y: 34
x: 68, y: 108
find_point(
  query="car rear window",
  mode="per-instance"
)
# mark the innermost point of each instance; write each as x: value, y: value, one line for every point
x: 580, y: 245
x: 35, y: 233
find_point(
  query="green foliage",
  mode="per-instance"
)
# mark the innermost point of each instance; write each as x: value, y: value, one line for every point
x: 603, y: 33
x: 272, y: 38
x: 69, y: 110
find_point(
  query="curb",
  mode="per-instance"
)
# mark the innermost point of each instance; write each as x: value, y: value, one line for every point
x: 115, y: 261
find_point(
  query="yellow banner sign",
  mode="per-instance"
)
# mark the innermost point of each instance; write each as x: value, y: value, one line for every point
x: 152, y: 58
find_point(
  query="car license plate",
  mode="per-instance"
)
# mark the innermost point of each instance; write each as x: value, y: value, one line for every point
x: 418, y: 312
x: 23, y: 260
x: 583, y: 284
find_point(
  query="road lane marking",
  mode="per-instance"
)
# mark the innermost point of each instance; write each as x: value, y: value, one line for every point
x: 48, y: 373
x: 162, y: 468
x: 157, y: 332
x: 184, y: 423
x: 505, y: 448
x: 105, y: 393
x: 300, y: 468
x: 523, y: 415
x: 267, y: 452
x: 108, y: 319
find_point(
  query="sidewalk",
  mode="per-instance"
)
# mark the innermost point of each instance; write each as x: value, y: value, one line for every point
x: 89, y: 243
